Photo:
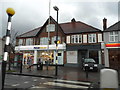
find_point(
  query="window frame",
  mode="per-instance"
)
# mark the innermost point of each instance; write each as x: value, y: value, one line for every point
x: 76, y: 38
x: 29, y: 41
x: 92, y: 37
x: 51, y: 26
x: 113, y: 35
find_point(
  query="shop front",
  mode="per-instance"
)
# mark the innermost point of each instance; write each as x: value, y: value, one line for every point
x: 43, y: 53
x: 113, y: 55
x: 77, y: 53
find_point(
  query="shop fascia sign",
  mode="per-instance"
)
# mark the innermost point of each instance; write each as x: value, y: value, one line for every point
x: 112, y: 45
x: 40, y: 47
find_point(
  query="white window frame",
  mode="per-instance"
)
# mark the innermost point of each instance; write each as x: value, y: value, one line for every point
x: 100, y: 38
x: 76, y: 38
x: 44, y: 41
x: 68, y: 39
x: 91, y: 38
x: 20, y: 42
x: 54, y: 39
x: 113, y: 36
x: 29, y: 41
x: 85, y: 38
x: 50, y: 28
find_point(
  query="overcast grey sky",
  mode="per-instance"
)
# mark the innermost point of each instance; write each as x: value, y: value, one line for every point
x: 31, y: 14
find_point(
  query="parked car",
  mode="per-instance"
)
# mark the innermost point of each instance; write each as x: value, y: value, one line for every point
x: 89, y: 64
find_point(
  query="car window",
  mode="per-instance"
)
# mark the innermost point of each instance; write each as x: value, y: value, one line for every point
x: 89, y: 60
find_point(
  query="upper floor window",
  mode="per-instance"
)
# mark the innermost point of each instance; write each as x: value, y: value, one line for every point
x: 54, y: 39
x: 50, y: 28
x: 20, y: 41
x: 29, y: 41
x: 44, y: 41
x: 113, y: 36
x: 92, y: 38
x: 76, y: 38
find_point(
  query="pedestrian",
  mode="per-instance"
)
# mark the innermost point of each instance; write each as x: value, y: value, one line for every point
x: 29, y: 63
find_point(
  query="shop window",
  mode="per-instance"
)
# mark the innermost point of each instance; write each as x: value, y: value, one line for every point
x: 59, y: 54
x: 94, y: 54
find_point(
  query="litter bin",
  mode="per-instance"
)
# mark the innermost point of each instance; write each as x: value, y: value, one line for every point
x: 40, y: 66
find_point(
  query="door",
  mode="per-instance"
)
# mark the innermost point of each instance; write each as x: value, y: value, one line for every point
x: 114, y: 57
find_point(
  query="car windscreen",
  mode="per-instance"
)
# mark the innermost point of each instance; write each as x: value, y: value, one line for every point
x: 89, y: 60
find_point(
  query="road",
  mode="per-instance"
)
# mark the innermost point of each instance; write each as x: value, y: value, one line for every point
x: 28, y: 82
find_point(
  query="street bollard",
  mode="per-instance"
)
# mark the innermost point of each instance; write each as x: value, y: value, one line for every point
x: 108, y: 79
x: 86, y: 72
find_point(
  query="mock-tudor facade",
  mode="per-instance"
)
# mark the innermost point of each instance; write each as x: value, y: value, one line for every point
x: 112, y: 45
x: 77, y: 40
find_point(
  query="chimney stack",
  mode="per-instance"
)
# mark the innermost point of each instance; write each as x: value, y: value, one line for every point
x: 104, y: 23
x: 73, y: 20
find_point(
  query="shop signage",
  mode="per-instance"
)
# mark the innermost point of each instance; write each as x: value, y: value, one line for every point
x: 40, y: 47
x: 113, y: 45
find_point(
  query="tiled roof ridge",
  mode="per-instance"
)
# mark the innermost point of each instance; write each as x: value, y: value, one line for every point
x: 80, y: 22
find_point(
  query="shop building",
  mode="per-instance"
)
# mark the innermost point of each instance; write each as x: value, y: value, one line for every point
x: 77, y: 40
x: 112, y: 45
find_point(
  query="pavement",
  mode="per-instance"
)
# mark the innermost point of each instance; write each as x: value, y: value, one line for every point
x: 63, y: 73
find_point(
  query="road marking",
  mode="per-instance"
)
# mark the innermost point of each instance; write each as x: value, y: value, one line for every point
x: 26, y: 82
x: 15, y: 85
x: 75, y: 82
x: 42, y: 78
x: 65, y: 85
x: 38, y: 87
x: 35, y: 80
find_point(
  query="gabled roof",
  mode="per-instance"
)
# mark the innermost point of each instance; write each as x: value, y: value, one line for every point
x: 77, y: 27
x: 51, y: 20
x: 31, y: 33
x: 67, y: 28
x: 114, y: 27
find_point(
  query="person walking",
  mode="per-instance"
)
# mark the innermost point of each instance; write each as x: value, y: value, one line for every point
x: 29, y: 63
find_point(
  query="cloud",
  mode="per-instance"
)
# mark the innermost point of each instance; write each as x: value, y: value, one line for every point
x: 31, y: 14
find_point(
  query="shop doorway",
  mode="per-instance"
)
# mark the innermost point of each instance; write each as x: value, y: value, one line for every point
x: 114, y: 58
x: 82, y: 54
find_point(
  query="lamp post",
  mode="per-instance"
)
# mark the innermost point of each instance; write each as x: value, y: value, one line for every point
x: 10, y: 13
x: 56, y: 42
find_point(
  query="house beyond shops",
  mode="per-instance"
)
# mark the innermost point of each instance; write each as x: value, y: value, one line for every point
x: 112, y: 45
x: 77, y: 41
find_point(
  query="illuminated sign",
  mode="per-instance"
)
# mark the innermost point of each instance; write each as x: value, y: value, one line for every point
x: 113, y: 45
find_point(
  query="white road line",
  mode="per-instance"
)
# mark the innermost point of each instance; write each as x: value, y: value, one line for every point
x: 42, y: 78
x: 35, y: 80
x: 26, y: 82
x: 38, y: 87
x: 75, y: 82
x: 14, y: 85
x: 65, y: 85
